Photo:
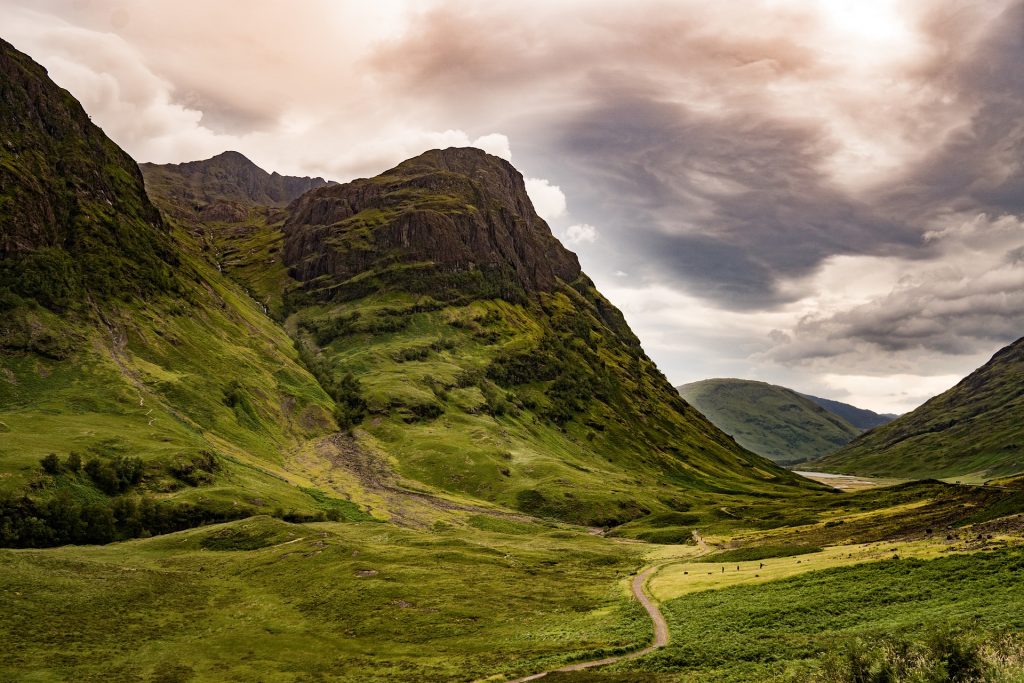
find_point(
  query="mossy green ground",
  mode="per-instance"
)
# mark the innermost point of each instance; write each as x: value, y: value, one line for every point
x: 163, y: 381
x: 495, y: 597
x: 260, y: 599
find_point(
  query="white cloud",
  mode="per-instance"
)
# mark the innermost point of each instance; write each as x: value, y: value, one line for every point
x: 496, y: 144
x: 548, y: 199
x: 580, y: 233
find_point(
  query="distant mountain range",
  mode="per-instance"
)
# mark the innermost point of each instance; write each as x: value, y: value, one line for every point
x: 776, y: 422
x: 976, y: 430
x: 861, y: 418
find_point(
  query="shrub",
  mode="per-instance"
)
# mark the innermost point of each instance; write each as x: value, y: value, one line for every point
x: 114, y: 475
x: 50, y: 464
x: 74, y: 462
x: 940, y: 656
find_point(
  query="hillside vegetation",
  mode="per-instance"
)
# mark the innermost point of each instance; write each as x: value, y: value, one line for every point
x: 770, y: 420
x: 458, y: 337
x: 974, y: 431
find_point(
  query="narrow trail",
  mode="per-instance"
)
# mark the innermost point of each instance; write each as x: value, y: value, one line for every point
x: 657, y: 618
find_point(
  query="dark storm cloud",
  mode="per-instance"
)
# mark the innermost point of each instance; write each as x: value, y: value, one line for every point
x: 725, y: 206
x: 733, y: 205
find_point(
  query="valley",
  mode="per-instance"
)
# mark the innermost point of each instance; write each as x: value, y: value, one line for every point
x: 279, y: 428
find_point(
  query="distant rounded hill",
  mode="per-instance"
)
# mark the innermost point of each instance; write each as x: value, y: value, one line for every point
x: 778, y: 423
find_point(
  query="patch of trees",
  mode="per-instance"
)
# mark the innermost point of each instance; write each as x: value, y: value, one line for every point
x: 29, y: 523
x: 114, y: 475
x: 326, y: 331
x: 197, y: 469
x: 110, y: 475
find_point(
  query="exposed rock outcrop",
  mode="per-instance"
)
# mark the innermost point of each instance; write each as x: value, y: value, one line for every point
x: 227, y: 179
x: 451, y: 211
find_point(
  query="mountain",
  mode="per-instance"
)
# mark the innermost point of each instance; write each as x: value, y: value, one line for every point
x: 76, y: 221
x: 224, y: 203
x: 140, y: 390
x: 975, y: 430
x: 860, y: 418
x: 462, y: 340
x: 222, y: 186
x: 773, y: 421
x: 416, y: 346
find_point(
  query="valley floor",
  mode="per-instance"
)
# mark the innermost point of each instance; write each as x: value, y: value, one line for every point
x: 262, y: 599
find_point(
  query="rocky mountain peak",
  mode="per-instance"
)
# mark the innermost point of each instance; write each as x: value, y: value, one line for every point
x: 229, y: 177
x: 459, y: 214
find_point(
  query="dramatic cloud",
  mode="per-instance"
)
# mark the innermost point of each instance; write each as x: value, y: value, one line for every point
x: 582, y: 232
x: 548, y: 199
x: 822, y: 193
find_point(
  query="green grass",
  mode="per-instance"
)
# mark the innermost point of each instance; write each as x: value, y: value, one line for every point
x: 165, y: 381
x: 762, y: 552
x: 262, y: 599
x: 781, y: 629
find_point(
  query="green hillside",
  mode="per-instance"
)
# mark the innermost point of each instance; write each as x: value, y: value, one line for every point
x: 770, y: 420
x: 140, y: 391
x: 462, y: 340
x: 428, y: 312
x: 973, y: 431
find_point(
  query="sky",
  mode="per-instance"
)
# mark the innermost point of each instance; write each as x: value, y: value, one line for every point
x: 824, y: 194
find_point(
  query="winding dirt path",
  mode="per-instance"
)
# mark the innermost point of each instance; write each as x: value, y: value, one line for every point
x: 657, y: 618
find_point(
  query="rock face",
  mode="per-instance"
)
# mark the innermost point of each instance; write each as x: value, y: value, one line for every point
x: 226, y: 179
x: 449, y: 213
x: 74, y: 215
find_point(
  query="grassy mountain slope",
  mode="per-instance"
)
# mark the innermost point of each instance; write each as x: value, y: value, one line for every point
x: 224, y: 203
x: 975, y: 430
x: 121, y: 345
x: 463, y: 341
x: 773, y: 421
x: 860, y: 418
x: 488, y: 363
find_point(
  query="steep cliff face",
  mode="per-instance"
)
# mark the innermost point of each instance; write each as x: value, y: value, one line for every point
x: 434, y: 223
x: 74, y: 216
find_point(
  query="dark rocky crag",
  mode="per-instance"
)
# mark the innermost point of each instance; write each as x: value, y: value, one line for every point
x: 75, y: 220
x: 450, y: 216
x: 223, y: 187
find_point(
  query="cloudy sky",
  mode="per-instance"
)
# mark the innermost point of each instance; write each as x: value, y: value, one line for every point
x: 827, y: 194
